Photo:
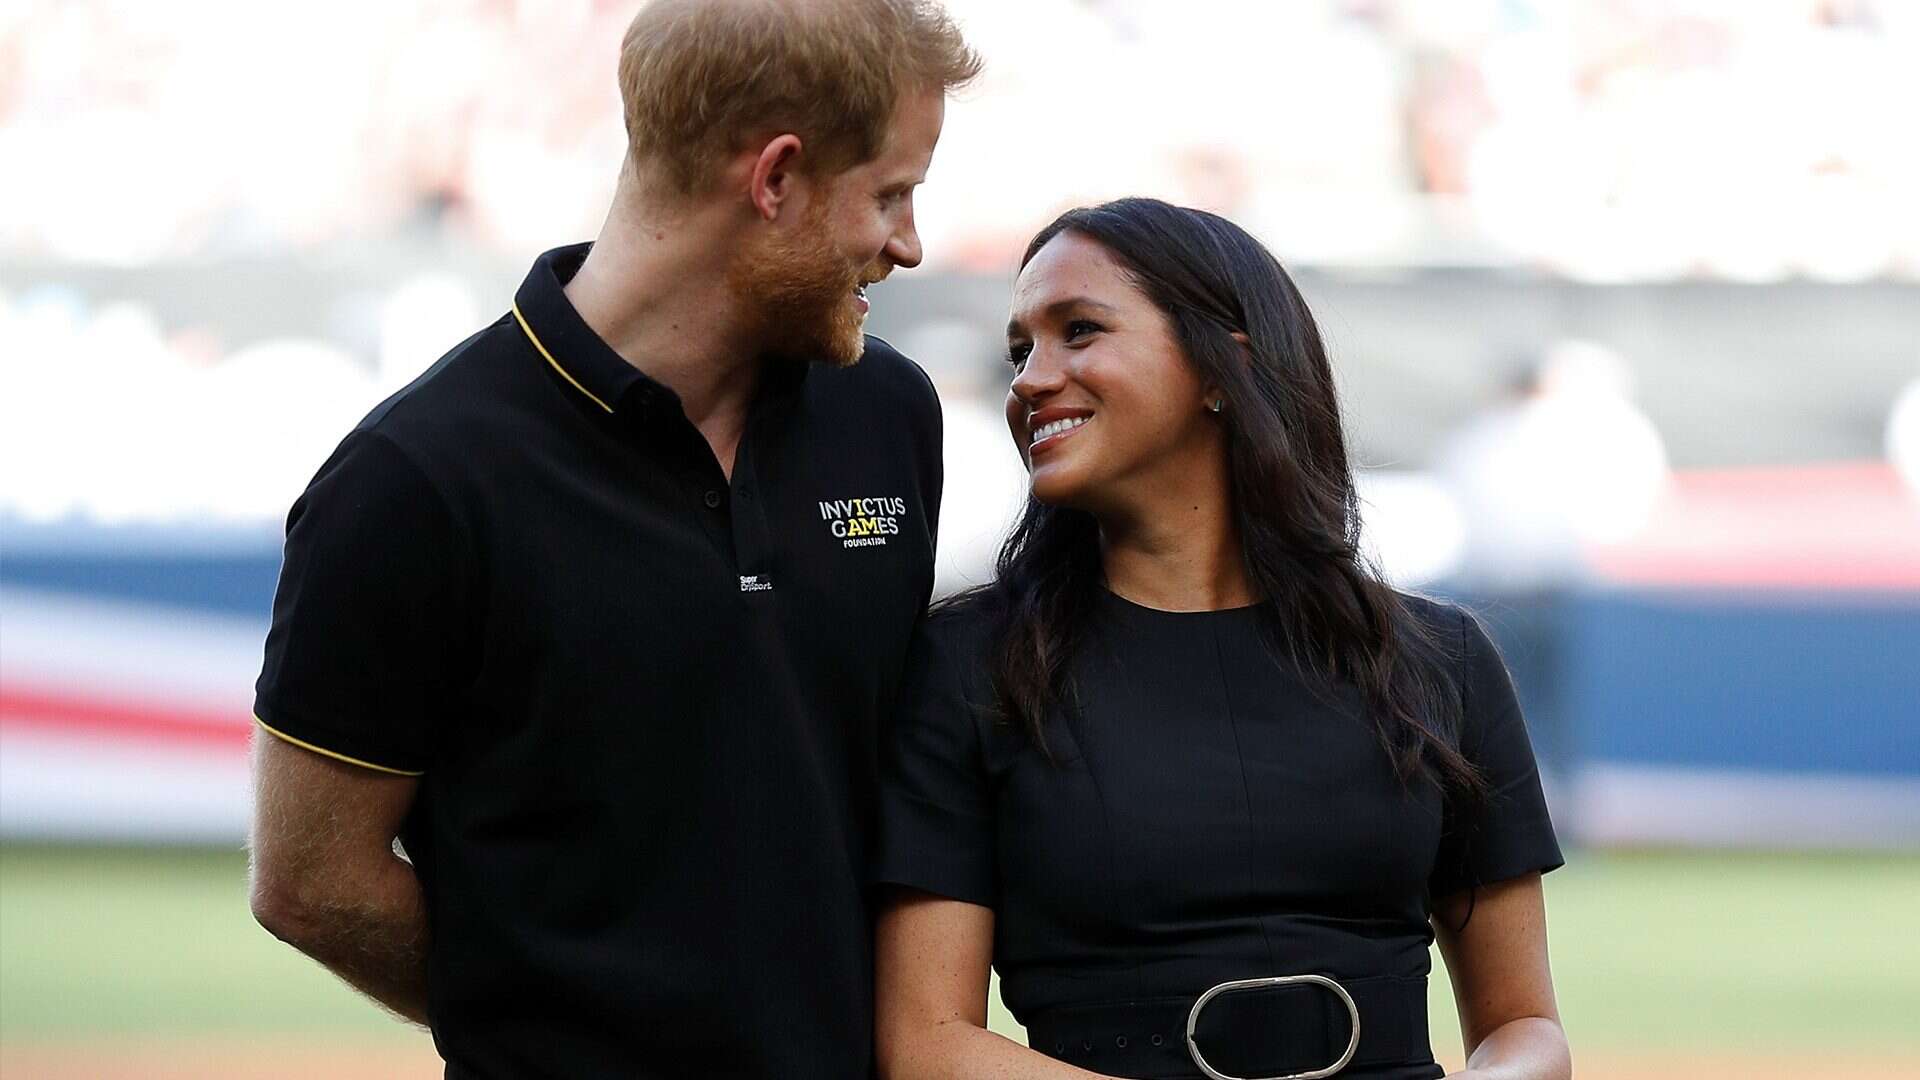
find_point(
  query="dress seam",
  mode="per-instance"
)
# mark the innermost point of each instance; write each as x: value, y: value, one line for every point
x: 1079, y: 720
x: 1246, y: 791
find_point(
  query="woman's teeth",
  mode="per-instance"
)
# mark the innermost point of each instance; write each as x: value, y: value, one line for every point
x: 1048, y: 431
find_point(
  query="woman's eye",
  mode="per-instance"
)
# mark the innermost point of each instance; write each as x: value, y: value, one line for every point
x: 1079, y: 328
x: 1017, y: 353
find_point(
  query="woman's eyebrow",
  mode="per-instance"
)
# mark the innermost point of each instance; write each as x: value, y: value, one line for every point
x: 1057, y: 308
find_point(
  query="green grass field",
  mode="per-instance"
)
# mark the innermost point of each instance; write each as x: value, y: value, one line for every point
x: 1767, y: 955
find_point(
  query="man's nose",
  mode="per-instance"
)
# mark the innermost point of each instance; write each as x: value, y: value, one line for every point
x: 904, y: 247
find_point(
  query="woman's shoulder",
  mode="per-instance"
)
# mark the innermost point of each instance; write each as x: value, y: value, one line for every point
x: 1460, y: 640
x: 1456, y: 634
x: 1442, y: 619
x: 962, y: 623
x: 956, y: 635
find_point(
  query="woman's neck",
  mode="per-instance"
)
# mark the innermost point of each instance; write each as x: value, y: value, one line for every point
x: 1183, y: 554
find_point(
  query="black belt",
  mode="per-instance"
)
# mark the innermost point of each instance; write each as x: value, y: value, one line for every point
x: 1258, y: 1032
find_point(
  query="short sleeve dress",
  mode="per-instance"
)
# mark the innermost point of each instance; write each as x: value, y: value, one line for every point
x: 1210, y: 816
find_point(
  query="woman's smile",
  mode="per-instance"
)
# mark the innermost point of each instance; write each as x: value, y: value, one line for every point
x: 1048, y: 428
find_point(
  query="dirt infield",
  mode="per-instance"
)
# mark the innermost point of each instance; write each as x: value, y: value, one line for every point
x: 1728, y: 1067
x: 299, y: 1060
x: 209, y: 1059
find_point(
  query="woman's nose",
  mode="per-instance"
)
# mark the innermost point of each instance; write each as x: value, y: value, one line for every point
x: 1036, y: 379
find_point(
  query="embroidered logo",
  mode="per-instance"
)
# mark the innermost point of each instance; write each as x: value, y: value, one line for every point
x: 863, y: 522
x: 755, y: 583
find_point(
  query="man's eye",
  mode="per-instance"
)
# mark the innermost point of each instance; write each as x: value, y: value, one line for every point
x: 1018, y: 352
x: 1080, y: 328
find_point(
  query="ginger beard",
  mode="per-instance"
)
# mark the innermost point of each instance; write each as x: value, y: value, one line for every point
x: 804, y: 293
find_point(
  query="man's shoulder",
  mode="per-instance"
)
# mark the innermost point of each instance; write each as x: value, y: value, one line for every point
x: 886, y: 374
x: 892, y: 364
x: 460, y: 391
x: 430, y: 428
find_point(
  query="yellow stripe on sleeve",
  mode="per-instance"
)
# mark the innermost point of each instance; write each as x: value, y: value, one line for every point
x: 324, y: 752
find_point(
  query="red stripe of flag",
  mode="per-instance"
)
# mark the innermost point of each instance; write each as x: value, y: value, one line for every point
x: 36, y: 708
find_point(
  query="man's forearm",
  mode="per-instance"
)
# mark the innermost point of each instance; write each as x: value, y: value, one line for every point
x: 371, y: 932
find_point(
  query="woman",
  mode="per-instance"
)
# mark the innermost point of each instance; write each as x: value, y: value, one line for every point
x: 1185, y: 738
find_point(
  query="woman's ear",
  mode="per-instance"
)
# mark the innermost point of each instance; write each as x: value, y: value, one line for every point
x: 1215, y: 399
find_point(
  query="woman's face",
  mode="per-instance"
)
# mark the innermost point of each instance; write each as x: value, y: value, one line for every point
x: 1104, y: 407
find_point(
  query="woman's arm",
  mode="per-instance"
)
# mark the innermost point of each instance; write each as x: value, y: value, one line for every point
x: 931, y: 957
x: 1502, y: 984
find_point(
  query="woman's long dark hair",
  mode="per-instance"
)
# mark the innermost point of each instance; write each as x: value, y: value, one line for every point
x: 1323, y: 606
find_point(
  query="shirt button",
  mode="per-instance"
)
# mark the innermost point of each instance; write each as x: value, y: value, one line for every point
x: 713, y: 500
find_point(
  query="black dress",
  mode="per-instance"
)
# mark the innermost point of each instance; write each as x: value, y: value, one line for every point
x: 1211, y: 818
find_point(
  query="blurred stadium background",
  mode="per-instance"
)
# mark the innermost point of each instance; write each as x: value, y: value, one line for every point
x: 1624, y: 297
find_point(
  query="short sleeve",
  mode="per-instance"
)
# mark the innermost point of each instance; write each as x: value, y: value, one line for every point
x: 936, y: 815
x: 361, y: 653
x: 1510, y: 833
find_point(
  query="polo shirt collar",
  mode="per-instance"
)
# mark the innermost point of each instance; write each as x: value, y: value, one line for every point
x: 565, y: 341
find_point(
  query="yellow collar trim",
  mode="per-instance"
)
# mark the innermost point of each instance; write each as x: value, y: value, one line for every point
x: 531, y: 336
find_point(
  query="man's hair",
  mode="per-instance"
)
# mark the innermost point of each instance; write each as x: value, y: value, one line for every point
x: 700, y: 78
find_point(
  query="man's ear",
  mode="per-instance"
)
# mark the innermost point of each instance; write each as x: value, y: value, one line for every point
x: 772, y: 180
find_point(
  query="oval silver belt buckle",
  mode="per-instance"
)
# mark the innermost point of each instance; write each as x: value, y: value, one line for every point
x: 1193, y: 1022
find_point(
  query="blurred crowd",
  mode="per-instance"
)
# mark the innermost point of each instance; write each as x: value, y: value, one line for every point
x: 1605, y: 139
x: 1602, y: 140
x: 110, y: 415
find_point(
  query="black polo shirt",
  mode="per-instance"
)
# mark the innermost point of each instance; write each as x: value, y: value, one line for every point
x: 641, y: 699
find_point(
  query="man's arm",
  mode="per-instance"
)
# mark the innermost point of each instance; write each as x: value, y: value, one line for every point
x: 325, y: 878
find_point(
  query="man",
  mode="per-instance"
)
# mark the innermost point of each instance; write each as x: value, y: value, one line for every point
x: 598, y: 615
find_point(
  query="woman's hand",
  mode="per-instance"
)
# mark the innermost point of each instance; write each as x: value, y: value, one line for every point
x: 1502, y: 983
